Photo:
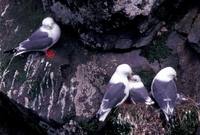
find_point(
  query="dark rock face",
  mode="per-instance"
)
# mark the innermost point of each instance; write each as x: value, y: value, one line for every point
x: 185, y: 25
x: 189, y: 26
x: 96, y: 37
x: 193, y: 36
x: 189, y: 75
x: 92, y: 13
x: 188, y: 58
x: 108, y: 25
x: 23, y: 120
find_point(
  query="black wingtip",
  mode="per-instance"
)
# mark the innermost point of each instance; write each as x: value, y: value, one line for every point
x: 97, y: 115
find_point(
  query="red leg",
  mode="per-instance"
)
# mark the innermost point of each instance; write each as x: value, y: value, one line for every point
x: 50, y: 54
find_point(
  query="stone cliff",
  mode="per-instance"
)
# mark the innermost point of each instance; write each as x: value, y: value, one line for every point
x: 64, y: 92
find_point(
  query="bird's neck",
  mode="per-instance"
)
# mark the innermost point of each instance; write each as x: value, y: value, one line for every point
x: 136, y: 85
x: 55, y: 29
x: 119, y: 78
x: 43, y: 29
x: 163, y: 77
x: 54, y: 33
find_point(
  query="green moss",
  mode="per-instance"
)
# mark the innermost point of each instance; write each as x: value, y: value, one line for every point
x: 186, y: 123
x: 147, y: 77
x: 115, y: 126
x: 157, y: 50
x: 112, y: 125
x: 89, y: 127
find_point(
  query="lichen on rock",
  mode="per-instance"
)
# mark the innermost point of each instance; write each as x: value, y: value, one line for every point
x: 89, y: 78
x: 133, y: 8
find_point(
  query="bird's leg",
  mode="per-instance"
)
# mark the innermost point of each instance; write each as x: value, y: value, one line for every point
x: 50, y: 54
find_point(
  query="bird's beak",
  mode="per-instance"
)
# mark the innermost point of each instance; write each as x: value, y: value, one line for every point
x: 130, y: 76
x: 49, y: 27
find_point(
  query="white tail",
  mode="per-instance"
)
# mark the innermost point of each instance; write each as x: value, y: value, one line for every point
x: 149, y: 101
x: 103, y: 115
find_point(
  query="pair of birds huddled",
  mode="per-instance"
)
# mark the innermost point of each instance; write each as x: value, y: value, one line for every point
x: 123, y: 85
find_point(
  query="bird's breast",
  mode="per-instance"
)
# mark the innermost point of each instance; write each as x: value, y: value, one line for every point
x: 55, y: 34
x: 136, y: 85
x: 126, y: 91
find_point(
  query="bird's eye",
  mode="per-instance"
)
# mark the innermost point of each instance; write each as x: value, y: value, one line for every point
x: 134, y: 79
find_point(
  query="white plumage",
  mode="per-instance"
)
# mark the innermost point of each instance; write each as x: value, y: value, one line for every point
x: 117, y: 91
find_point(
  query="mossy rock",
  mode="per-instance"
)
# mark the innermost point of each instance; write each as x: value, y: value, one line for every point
x: 157, y: 50
x: 150, y: 120
x: 186, y: 120
x: 112, y: 125
x: 147, y: 77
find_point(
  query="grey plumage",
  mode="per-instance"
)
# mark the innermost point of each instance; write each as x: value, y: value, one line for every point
x: 138, y: 93
x: 164, y: 91
x: 114, y: 94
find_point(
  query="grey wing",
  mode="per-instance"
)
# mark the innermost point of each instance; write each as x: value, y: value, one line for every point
x: 114, y: 95
x: 38, y: 34
x: 139, y: 95
x: 35, y: 44
x: 165, y: 93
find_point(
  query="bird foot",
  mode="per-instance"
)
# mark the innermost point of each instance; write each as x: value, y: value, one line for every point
x: 50, y: 54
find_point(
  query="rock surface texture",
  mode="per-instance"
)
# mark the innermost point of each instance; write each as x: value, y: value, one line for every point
x: 63, y: 92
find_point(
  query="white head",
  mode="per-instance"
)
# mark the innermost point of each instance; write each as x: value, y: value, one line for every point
x: 135, y: 82
x: 124, y: 69
x: 167, y: 74
x: 122, y: 74
x: 135, y: 78
x: 48, y: 23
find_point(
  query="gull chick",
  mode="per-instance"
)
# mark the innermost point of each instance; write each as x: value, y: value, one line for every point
x: 138, y: 93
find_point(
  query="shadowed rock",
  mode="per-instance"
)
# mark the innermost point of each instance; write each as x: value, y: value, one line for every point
x: 17, y: 120
x: 193, y: 36
x: 185, y: 25
x: 108, y: 26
